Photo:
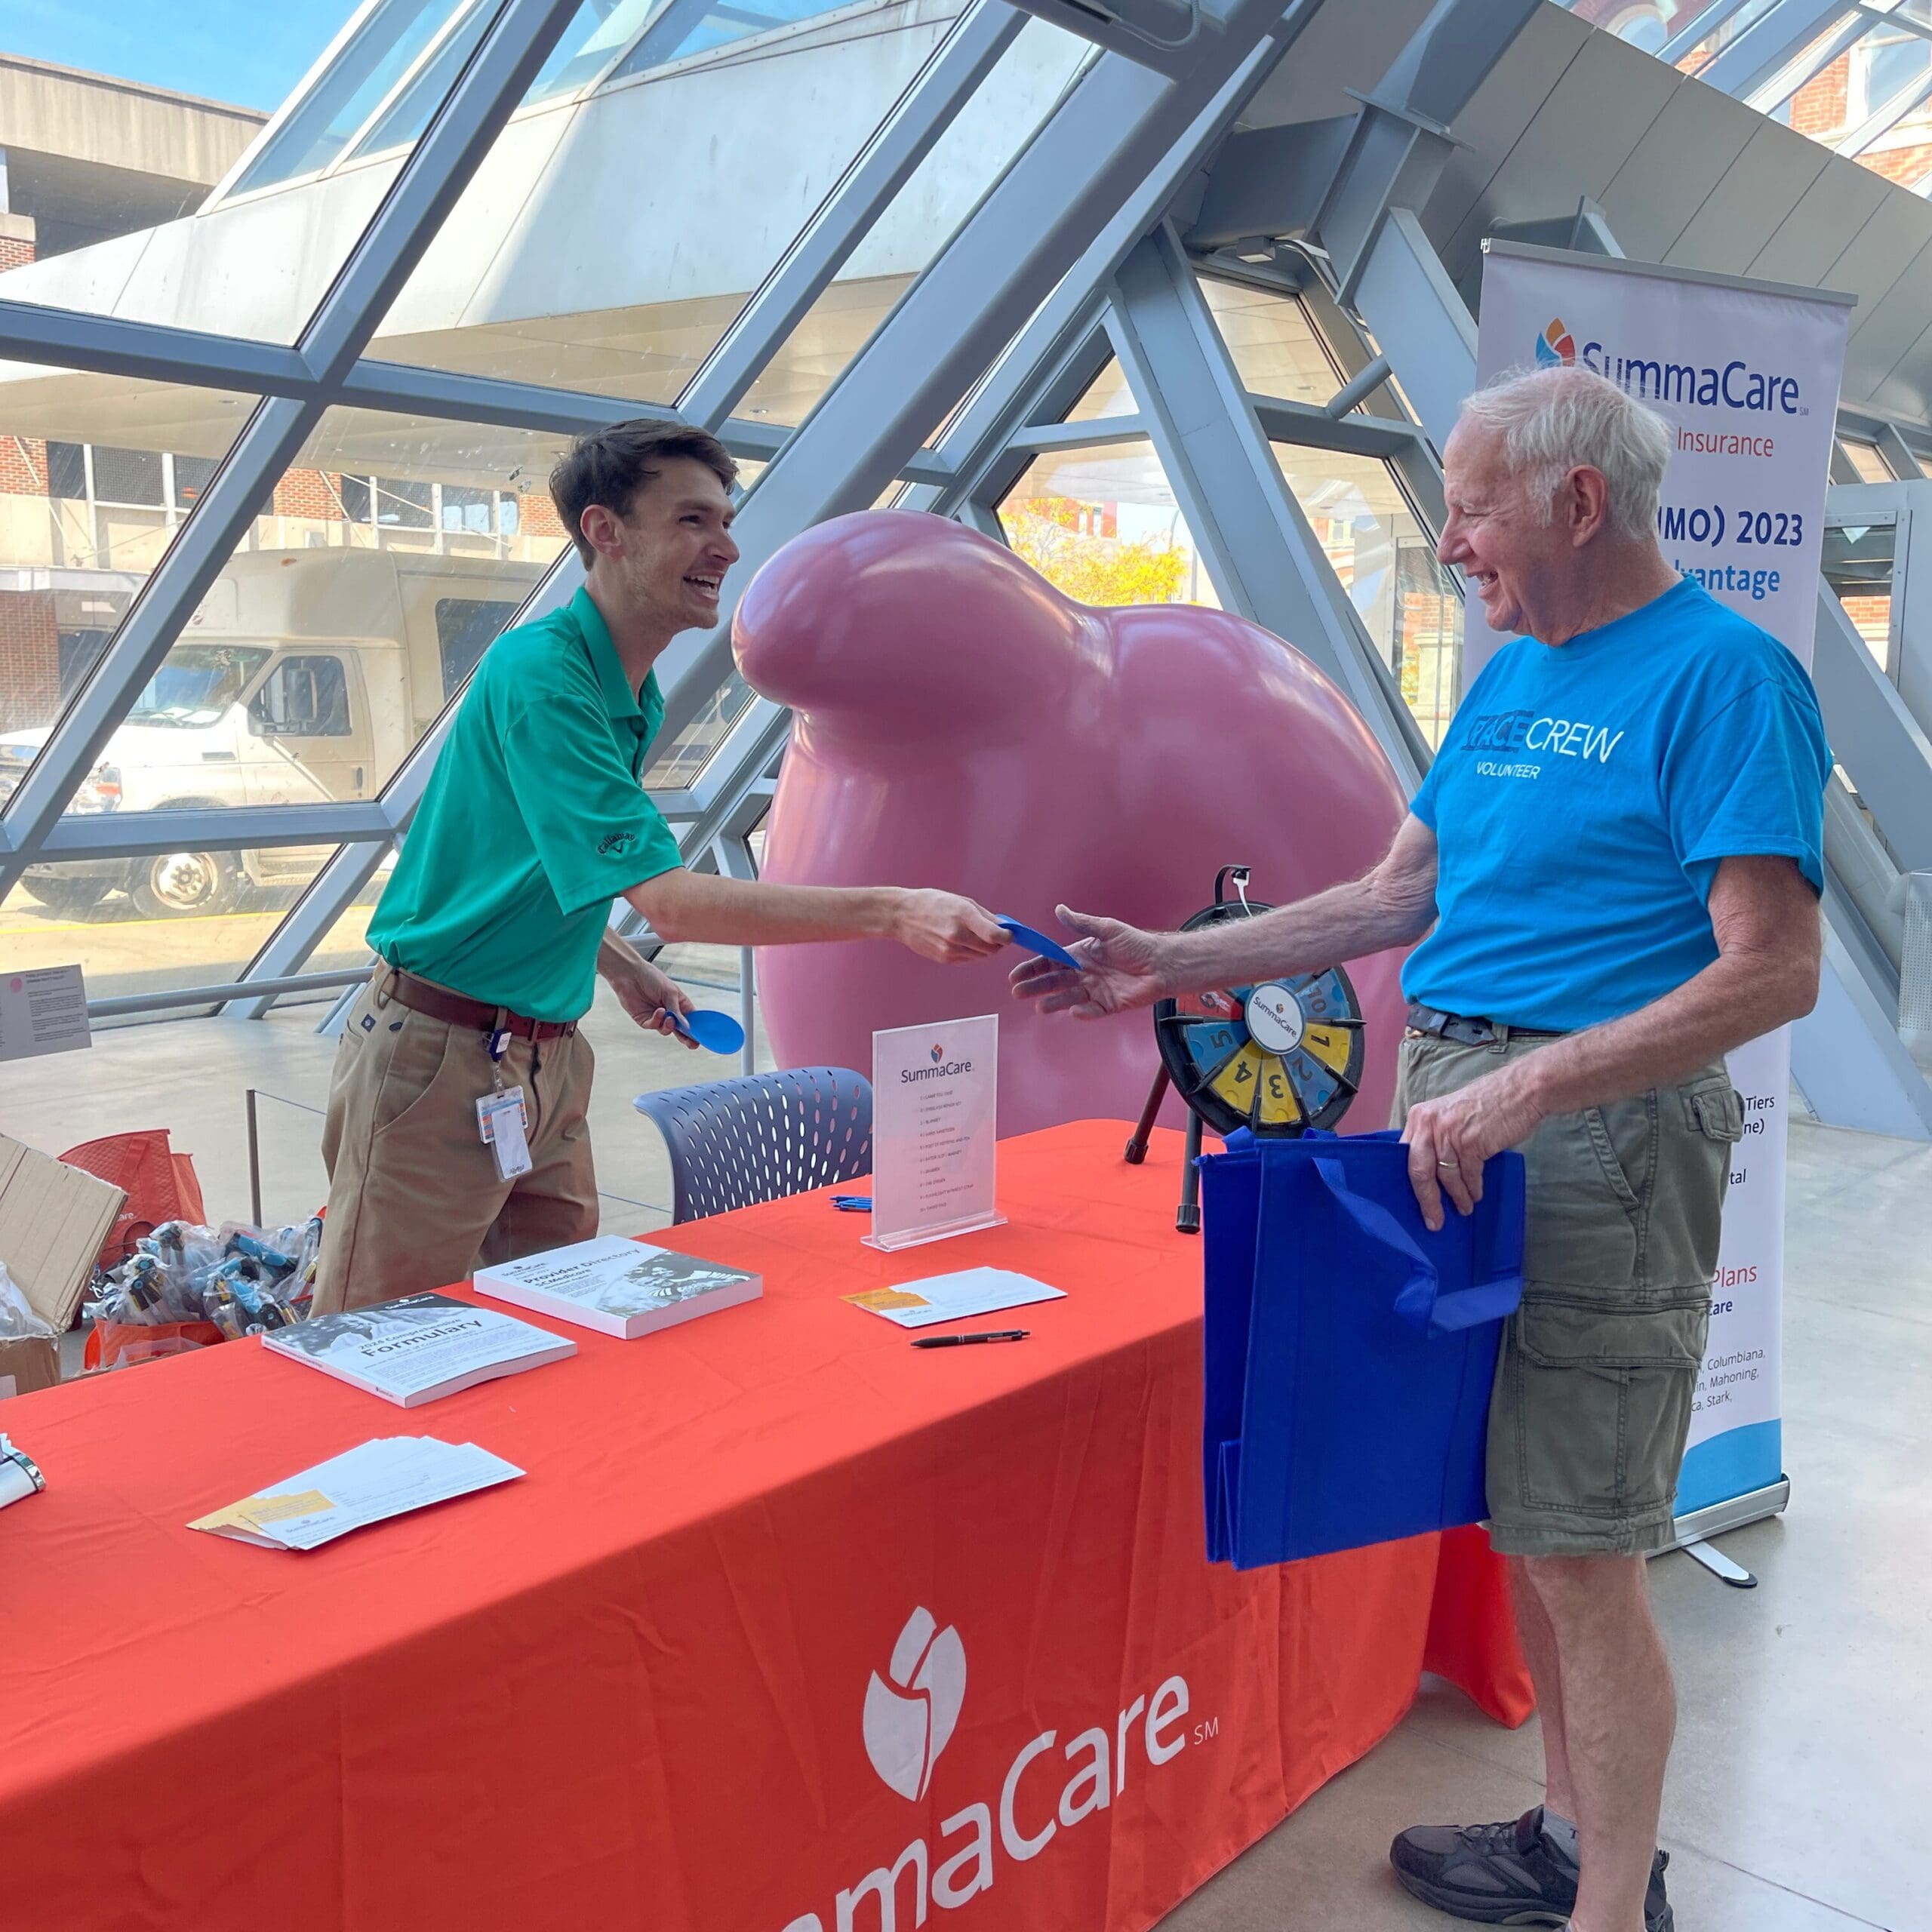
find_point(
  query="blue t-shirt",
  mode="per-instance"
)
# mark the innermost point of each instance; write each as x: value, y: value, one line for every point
x: 1583, y: 797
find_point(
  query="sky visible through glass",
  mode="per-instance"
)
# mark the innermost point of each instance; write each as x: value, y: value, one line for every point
x: 239, y: 51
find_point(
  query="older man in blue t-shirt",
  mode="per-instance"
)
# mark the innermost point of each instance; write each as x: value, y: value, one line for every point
x: 1617, y: 859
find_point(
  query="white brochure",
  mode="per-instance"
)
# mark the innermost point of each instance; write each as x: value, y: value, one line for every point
x: 368, y: 1485
x: 933, y: 1128
x: 961, y: 1297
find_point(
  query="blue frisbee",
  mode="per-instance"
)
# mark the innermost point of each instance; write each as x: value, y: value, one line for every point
x: 1049, y: 949
x: 718, y: 1030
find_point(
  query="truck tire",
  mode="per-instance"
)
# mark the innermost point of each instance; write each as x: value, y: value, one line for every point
x: 174, y: 886
x: 72, y: 898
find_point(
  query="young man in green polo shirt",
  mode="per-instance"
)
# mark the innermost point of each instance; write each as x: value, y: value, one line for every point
x: 494, y: 923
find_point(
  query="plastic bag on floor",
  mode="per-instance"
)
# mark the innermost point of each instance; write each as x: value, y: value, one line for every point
x: 18, y: 1320
x: 187, y: 1287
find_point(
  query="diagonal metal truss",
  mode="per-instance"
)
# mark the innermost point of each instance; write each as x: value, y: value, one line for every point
x: 1088, y: 247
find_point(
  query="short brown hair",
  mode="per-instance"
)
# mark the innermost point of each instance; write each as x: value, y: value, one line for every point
x: 610, y: 466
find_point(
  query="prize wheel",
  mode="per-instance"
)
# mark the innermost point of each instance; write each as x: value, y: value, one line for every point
x: 1278, y: 1056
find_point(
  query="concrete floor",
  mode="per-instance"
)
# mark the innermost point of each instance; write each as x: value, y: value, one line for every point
x: 1802, y: 1780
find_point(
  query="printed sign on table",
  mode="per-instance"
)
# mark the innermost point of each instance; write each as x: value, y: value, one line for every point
x: 933, y: 1129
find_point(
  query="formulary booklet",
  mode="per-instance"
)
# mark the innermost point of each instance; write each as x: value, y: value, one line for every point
x: 414, y: 1350
x: 618, y: 1288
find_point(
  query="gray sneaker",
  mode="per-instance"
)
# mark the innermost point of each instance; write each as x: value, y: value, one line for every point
x: 1505, y: 1875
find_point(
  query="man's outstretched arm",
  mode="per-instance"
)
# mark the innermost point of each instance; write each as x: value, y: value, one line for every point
x: 1121, y: 966
x: 701, y: 906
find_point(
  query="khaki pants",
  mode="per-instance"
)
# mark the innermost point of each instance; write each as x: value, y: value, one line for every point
x: 414, y: 1200
x: 1595, y: 1380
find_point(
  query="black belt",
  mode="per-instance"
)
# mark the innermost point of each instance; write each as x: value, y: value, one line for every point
x: 1468, y: 1030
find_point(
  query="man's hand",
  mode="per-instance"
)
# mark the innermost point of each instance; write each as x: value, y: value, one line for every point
x: 646, y: 992
x: 1449, y: 1139
x: 944, y: 927
x: 1119, y: 970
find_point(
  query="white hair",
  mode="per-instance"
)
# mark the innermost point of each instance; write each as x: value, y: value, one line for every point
x: 1554, y: 420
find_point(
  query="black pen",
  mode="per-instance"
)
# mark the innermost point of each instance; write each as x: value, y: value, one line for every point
x: 960, y: 1341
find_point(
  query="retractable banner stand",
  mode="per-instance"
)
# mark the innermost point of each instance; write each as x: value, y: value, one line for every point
x: 1747, y: 374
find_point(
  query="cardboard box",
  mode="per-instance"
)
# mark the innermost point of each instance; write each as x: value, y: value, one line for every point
x: 28, y: 1363
x: 53, y: 1220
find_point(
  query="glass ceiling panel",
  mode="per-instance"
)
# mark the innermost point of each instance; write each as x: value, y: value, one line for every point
x: 280, y: 102
x: 1273, y: 343
x: 393, y: 551
x: 1649, y: 24
x: 1107, y: 395
x: 392, y: 48
x: 97, y: 475
x: 626, y: 213
x: 1857, y: 562
x: 1104, y: 527
x: 1004, y: 115
x: 1386, y: 558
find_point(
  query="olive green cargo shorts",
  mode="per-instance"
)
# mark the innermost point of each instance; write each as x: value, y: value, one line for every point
x: 1595, y: 1378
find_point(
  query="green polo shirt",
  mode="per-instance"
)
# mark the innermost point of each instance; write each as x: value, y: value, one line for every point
x: 534, y: 819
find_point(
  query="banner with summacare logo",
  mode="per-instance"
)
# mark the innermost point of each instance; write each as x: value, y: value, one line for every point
x: 1747, y: 375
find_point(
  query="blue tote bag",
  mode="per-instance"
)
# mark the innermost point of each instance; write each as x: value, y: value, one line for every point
x: 1349, y: 1352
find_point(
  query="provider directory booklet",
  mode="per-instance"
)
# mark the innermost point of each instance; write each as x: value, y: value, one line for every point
x: 416, y: 1349
x: 617, y: 1286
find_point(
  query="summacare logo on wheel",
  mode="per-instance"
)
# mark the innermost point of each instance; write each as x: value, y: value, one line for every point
x: 911, y: 1713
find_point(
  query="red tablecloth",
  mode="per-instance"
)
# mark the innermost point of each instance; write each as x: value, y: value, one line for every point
x: 653, y: 1685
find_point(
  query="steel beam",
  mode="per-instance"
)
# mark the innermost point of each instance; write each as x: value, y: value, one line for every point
x: 218, y: 829
x: 1091, y: 433
x: 1352, y: 435
x: 218, y: 522
x: 111, y: 345
x: 1422, y: 322
x: 928, y: 107
x: 330, y: 893
x: 1260, y: 550
x: 1157, y: 40
x: 1043, y: 375
x: 168, y: 998
x: 1776, y: 37
x: 426, y: 188
x: 1118, y: 127
x: 431, y: 181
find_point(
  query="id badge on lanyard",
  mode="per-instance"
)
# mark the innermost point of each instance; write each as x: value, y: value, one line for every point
x: 503, y: 1121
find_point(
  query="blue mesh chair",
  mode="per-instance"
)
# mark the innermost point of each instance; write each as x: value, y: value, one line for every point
x: 735, y: 1142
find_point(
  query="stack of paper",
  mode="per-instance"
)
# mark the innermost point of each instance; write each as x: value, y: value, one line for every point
x: 618, y: 1287
x: 419, y: 1348
x: 381, y: 1479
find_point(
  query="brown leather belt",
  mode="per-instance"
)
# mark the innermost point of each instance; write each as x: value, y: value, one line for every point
x: 439, y: 1003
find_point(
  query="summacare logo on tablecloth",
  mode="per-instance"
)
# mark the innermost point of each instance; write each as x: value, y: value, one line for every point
x: 909, y: 1721
x: 909, y: 1714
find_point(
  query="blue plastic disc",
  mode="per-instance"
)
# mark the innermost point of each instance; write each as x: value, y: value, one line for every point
x: 718, y: 1030
x: 1049, y: 949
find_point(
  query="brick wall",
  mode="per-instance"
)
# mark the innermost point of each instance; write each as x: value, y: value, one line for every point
x: 30, y: 659
x: 537, y: 516
x: 15, y: 252
x: 309, y: 492
x: 23, y: 466
x: 1819, y: 108
x: 1906, y: 166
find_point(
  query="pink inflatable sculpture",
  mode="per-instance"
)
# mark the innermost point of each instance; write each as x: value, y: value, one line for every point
x: 961, y: 723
